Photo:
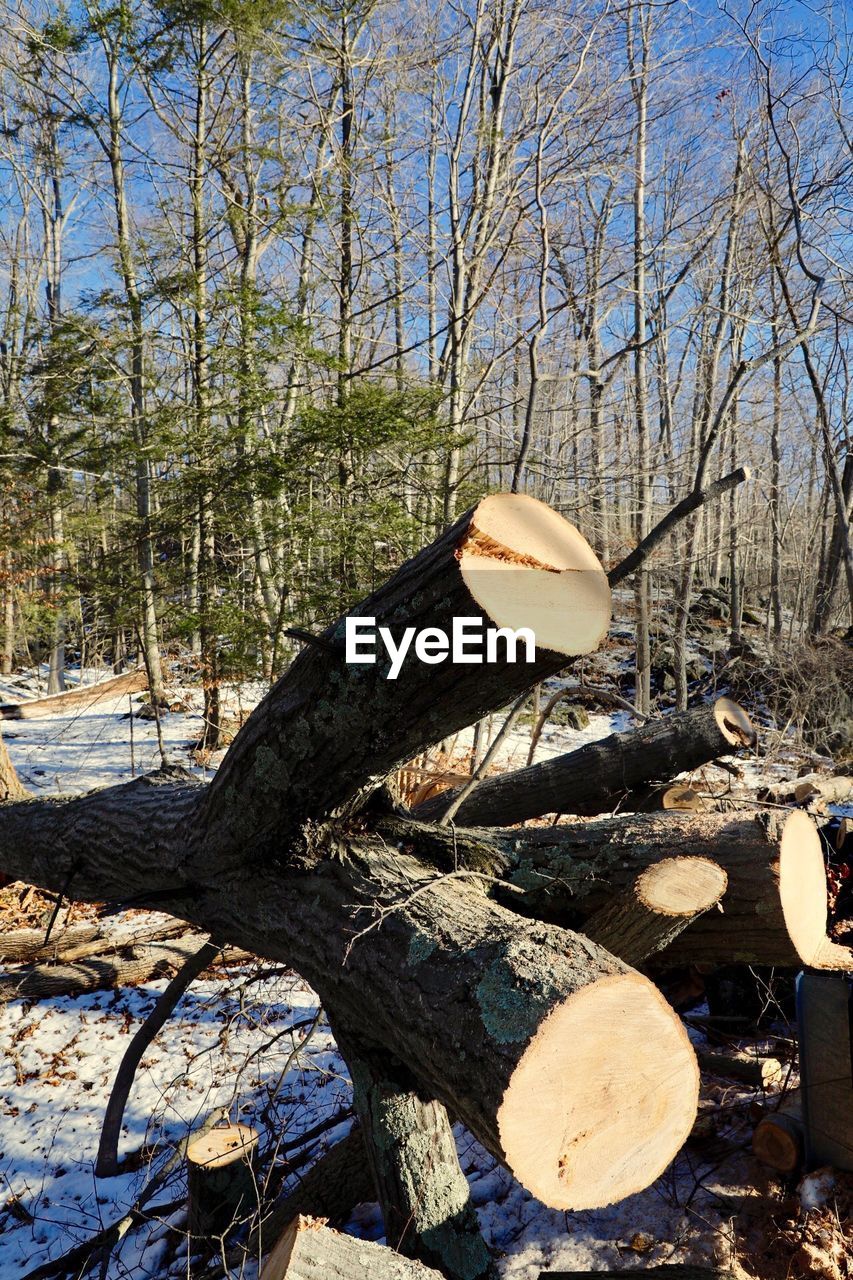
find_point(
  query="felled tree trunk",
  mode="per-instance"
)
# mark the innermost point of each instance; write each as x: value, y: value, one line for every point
x: 73, y: 699
x: 100, y: 973
x: 78, y: 941
x: 524, y: 1031
x: 625, y: 771
x: 774, y: 910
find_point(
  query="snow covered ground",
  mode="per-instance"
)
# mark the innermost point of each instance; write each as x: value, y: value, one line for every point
x: 239, y: 1045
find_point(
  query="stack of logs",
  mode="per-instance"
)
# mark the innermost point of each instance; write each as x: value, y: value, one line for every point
x: 473, y: 970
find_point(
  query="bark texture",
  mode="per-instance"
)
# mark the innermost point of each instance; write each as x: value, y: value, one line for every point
x: 660, y: 904
x: 565, y: 873
x: 329, y: 731
x: 423, y: 1193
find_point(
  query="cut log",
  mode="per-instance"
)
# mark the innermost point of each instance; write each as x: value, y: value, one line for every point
x: 510, y: 562
x: 525, y: 1032
x: 60, y: 703
x: 779, y: 1137
x: 819, y: 793
x: 309, y: 1250
x: 101, y: 973
x: 683, y: 799
x: 625, y: 771
x: 221, y: 1187
x: 663, y: 900
x: 423, y: 1193
x: 759, y: 1072
x: 774, y: 910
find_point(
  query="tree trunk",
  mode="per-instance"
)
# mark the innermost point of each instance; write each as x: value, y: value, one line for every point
x: 221, y: 1187
x: 423, y: 1193
x: 74, y: 699
x: 471, y: 998
x: 624, y: 771
x: 774, y: 911
x: 511, y: 562
x: 100, y: 973
x: 11, y: 787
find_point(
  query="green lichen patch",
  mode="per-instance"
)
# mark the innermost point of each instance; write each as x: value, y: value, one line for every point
x: 512, y: 1008
x: 421, y: 947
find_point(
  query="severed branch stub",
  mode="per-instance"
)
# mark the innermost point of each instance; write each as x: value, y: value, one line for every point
x: 660, y: 904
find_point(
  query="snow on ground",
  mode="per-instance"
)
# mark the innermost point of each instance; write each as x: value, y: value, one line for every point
x: 235, y: 1042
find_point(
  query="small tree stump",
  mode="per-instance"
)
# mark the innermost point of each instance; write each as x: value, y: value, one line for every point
x: 220, y: 1179
x: 779, y: 1140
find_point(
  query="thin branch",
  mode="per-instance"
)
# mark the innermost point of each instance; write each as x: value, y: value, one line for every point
x: 107, y: 1164
x: 679, y: 512
x: 478, y: 774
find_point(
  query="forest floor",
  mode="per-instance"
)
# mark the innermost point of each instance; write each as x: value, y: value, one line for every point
x: 251, y: 1044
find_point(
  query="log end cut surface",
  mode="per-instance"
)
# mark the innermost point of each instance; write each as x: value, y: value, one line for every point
x: 735, y: 725
x: 527, y: 566
x: 803, y: 893
x: 615, y: 1064
x: 219, y: 1147
x: 681, y: 886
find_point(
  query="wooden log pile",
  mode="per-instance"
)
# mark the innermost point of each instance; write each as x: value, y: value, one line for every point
x: 474, y: 970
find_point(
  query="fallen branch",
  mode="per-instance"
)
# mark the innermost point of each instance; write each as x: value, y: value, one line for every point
x: 89, y: 696
x: 624, y: 770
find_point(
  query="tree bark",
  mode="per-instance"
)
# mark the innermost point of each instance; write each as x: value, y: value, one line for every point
x: 303, y: 752
x: 624, y: 771
x: 471, y: 998
x: 774, y: 910
x: 423, y: 1193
